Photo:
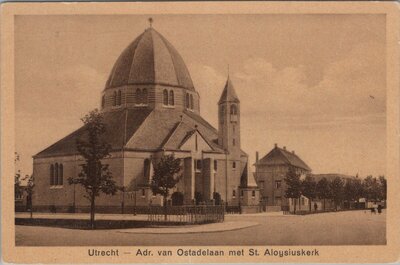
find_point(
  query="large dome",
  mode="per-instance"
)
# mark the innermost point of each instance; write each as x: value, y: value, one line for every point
x: 150, y: 59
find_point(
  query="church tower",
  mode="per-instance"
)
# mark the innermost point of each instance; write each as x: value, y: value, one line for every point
x: 229, y: 119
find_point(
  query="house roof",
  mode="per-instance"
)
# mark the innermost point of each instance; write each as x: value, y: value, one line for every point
x: 279, y: 156
x: 150, y: 59
x: 142, y: 129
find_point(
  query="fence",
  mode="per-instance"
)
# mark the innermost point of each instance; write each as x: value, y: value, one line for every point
x: 186, y: 214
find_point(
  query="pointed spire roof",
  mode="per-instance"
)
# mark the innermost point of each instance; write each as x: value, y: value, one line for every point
x: 229, y: 93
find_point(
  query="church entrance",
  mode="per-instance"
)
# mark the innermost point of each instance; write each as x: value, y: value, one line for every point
x: 177, y: 198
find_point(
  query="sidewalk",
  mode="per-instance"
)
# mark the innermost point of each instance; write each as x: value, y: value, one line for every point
x: 83, y: 216
x: 191, y: 229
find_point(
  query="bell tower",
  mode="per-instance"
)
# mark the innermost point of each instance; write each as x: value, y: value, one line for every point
x: 229, y: 119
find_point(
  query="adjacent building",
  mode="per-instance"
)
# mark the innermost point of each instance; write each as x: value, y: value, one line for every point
x: 270, y: 173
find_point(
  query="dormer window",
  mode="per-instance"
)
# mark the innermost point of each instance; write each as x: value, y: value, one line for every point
x: 103, y: 101
x: 119, y: 98
x: 115, y: 99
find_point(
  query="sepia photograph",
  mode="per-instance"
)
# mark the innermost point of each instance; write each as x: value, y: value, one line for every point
x: 162, y: 129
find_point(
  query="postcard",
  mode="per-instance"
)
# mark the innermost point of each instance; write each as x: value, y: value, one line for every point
x: 200, y: 132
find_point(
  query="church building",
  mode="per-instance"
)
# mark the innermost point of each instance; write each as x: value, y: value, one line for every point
x: 150, y: 109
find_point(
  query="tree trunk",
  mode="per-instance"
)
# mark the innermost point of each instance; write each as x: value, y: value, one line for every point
x: 324, y: 205
x: 309, y: 203
x: 295, y: 202
x: 92, y: 211
x: 165, y: 208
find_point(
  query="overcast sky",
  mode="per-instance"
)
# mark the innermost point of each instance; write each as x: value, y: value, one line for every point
x: 313, y: 83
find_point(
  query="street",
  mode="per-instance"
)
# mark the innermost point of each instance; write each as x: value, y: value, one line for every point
x: 341, y: 228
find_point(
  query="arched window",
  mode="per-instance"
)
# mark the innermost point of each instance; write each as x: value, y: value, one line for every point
x: 187, y: 101
x: 144, y: 96
x: 61, y: 175
x: 51, y: 175
x: 115, y: 98
x: 119, y: 99
x: 165, y: 97
x: 56, y: 175
x: 103, y: 101
x: 171, y: 98
x: 234, y: 165
x: 138, y: 96
x: 233, y: 193
x: 233, y: 110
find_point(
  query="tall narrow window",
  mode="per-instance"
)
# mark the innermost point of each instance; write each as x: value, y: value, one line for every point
x: 171, y: 98
x: 221, y: 114
x: 191, y: 101
x: 187, y: 101
x: 233, y: 110
x: 233, y: 193
x: 234, y: 165
x: 56, y: 175
x: 233, y: 142
x: 119, y: 98
x: 61, y: 175
x: 146, y: 170
x: 165, y: 97
x: 215, y: 164
x: 253, y: 193
x: 51, y: 175
x: 138, y: 96
x: 115, y: 98
x: 103, y: 101
x: 144, y: 96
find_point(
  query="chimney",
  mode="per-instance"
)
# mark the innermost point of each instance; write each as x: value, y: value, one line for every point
x: 256, y: 156
x: 284, y: 148
x: 276, y: 145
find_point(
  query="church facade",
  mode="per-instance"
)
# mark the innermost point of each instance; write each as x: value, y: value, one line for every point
x: 151, y: 109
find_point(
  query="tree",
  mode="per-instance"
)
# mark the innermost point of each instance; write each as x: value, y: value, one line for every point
x: 383, y: 187
x: 371, y: 188
x: 308, y: 187
x: 336, y: 191
x: 18, y: 191
x: 323, y: 189
x: 293, y: 183
x: 30, y: 190
x: 166, y: 176
x: 95, y: 177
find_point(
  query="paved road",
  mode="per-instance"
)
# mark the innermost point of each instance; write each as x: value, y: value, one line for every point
x: 342, y: 228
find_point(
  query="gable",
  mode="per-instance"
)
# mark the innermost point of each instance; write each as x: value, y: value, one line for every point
x: 195, y: 141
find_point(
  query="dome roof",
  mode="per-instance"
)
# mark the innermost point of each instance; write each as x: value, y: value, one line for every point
x: 150, y: 59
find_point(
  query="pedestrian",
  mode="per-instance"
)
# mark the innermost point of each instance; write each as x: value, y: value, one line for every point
x: 315, y: 207
x: 379, y: 208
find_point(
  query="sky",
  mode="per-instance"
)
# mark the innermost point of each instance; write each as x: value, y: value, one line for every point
x: 313, y: 83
